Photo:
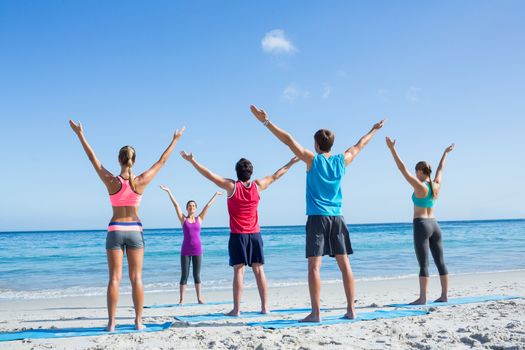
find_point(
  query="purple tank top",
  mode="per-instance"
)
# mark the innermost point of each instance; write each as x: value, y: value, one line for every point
x: 191, y: 245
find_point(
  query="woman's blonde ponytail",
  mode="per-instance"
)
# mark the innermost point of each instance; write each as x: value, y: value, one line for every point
x: 126, y: 157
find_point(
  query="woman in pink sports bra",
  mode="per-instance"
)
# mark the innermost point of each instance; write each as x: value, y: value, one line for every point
x: 125, y: 229
x: 191, y: 250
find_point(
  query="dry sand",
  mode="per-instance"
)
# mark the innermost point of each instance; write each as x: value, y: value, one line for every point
x: 489, y: 325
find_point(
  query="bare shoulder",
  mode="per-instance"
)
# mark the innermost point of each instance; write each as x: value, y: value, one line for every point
x: 112, y: 182
x: 139, y: 179
x: 309, y: 155
x: 230, y: 184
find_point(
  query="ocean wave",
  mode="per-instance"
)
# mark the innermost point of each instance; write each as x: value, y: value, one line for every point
x: 171, y: 287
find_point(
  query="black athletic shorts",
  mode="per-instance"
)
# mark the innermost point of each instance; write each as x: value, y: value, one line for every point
x: 327, y: 235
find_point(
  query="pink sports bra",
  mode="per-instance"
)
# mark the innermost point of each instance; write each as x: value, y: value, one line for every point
x: 125, y: 197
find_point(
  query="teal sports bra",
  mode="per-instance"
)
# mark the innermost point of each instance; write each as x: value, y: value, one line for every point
x: 427, y: 202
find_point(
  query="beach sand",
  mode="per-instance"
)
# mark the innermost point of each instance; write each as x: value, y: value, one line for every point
x: 489, y: 325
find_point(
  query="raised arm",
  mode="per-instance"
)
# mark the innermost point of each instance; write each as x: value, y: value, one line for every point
x: 111, y: 183
x: 263, y: 183
x: 178, y: 210
x: 145, y: 178
x: 353, y: 151
x: 439, y: 171
x: 225, y: 184
x: 302, y: 153
x: 208, y: 205
x: 412, y: 180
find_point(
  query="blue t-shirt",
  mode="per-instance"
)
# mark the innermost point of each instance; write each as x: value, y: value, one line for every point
x: 323, y: 185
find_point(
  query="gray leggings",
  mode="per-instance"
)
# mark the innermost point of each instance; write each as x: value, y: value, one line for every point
x: 427, y: 233
x: 196, y: 260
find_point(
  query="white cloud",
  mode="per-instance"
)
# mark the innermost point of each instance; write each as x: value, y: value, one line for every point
x: 327, y: 91
x: 412, y: 94
x: 292, y: 92
x: 276, y: 42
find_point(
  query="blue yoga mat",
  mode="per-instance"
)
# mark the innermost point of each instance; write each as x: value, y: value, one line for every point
x: 249, y: 314
x: 366, y: 316
x: 78, y: 332
x: 458, y: 301
x: 161, y: 306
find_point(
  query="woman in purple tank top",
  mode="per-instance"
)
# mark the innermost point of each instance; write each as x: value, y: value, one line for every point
x: 191, y: 250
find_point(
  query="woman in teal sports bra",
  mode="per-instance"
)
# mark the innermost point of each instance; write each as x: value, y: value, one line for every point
x: 427, y: 234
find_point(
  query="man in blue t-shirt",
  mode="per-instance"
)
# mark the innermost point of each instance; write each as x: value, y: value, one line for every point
x: 326, y: 230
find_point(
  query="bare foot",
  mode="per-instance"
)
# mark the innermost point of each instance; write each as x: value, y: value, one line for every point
x: 419, y: 301
x: 181, y: 301
x: 350, y: 313
x: 139, y: 326
x: 441, y: 300
x: 234, y: 312
x: 201, y: 301
x: 265, y: 311
x: 311, y: 318
x: 111, y: 326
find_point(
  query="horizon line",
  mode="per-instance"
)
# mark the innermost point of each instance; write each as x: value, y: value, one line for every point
x: 273, y: 226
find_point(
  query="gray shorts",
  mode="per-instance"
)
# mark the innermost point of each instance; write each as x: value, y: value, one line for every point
x: 120, y: 239
x: 327, y: 235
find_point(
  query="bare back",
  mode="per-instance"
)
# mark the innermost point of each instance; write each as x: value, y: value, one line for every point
x: 125, y: 214
x: 421, y: 212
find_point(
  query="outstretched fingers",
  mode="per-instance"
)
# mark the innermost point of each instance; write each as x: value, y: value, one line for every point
x: 379, y: 125
x: 186, y: 156
x: 260, y: 114
x: 178, y: 133
x: 77, y: 127
x: 389, y: 142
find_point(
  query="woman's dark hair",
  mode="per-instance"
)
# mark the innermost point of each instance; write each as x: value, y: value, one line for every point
x: 324, y: 139
x: 244, y: 169
x: 191, y: 201
x: 126, y: 157
x: 427, y: 170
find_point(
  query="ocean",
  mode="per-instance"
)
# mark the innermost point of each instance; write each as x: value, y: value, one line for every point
x: 53, y: 264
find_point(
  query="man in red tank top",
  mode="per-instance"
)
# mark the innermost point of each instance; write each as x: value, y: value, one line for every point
x: 245, y: 246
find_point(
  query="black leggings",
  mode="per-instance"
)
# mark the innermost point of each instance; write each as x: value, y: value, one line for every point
x: 427, y: 233
x: 196, y: 260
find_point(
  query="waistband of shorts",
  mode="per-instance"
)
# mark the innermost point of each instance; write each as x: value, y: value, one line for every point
x: 125, y: 226
x: 245, y: 233
x: 424, y: 219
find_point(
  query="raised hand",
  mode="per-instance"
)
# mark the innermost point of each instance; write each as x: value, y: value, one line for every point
x: 450, y: 148
x: 164, y: 188
x: 186, y: 156
x: 77, y: 128
x: 379, y: 125
x: 260, y: 114
x: 391, y: 144
x: 178, y: 133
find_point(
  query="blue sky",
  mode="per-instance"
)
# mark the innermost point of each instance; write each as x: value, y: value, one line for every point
x: 134, y: 71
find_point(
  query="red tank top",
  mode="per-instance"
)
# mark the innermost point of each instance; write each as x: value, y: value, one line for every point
x: 242, y: 207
